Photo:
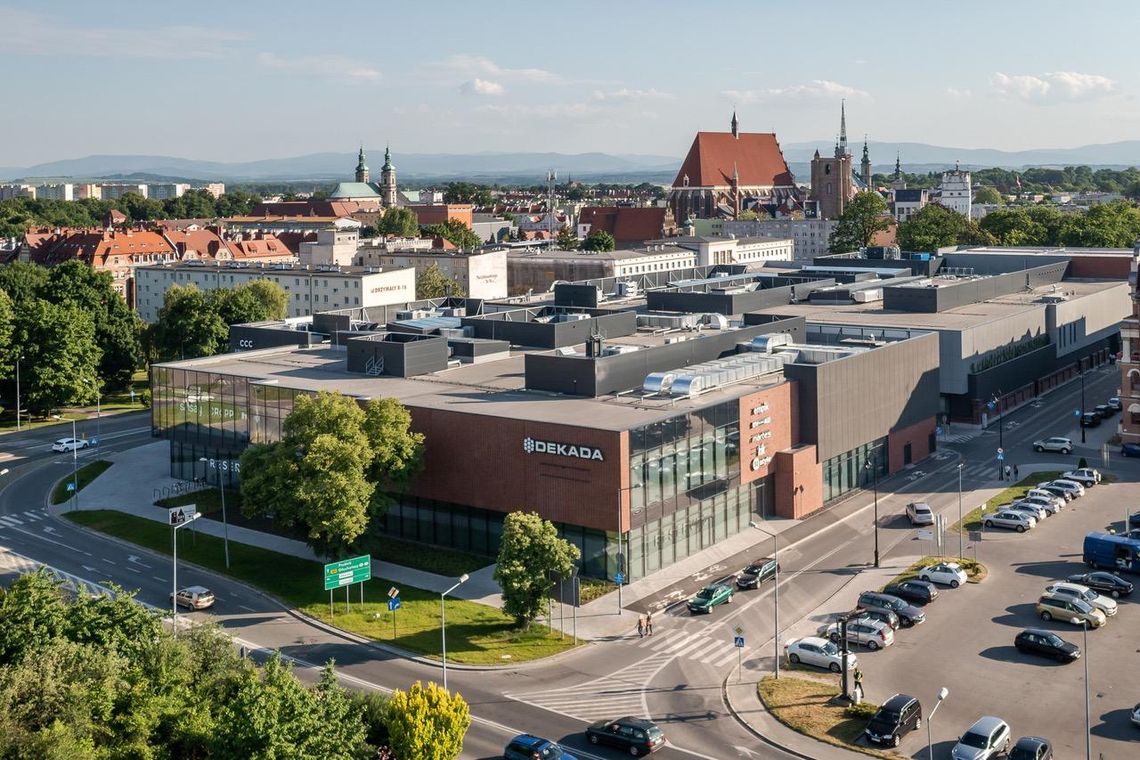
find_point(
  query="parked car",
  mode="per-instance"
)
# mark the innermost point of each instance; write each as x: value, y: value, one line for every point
x: 908, y: 614
x: 1136, y: 715
x: 636, y: 736
x: 923, y: 592
x: 894, y: 719
x: 1103, y: 583
x: 1134, y: 520
x: 1047, y: 497
x: 70, y: 444
x: 710, y: 596
x: 1086, y: 476
x: 1104, y: 410
x: 1090, y: 419
x: 920, y: 513
x: 1031, y: 748
x: 1056, y: 443
x: 1077, y: 591
x: 758, y: 571
x: 528, y: 747
x: 870, y: 633
x: 1130, y: 449
x: 1073, y: 611
x: 1071, y: 486
x: 946, y: 573
x: 1057, y: 491
x: 1009, y: 518
x: 1114, y: 402
x: 195, y: 598
x: 880, y: 614
x: 1050, y: 503
x: 1046, y: 643
x: 988, y: 737
x: 820, y: 652
x: 1036, y: 511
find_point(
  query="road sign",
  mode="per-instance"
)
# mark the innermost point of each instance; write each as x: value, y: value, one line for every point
x: 738, y: 641
x: 938, y: 430
x: 1076, y: 412
x: 738, y: 631
x: 925, y: 535
x: 71, y: 485
x: 1001, y: 457
x: 355, y: 570
x: 619, y: 578
x: 1000, y: 450
x: 975, y: 535
x: 394, y: 604
x: 180, y: 515
x: 393, y: 592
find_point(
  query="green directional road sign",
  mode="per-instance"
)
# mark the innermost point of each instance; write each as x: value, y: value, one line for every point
x: 345, y: 572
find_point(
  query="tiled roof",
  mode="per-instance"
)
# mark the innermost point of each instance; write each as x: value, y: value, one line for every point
x: 98, y: 248
x: 625, y: 223
x: 715, y: 155
x: 264, y: 247
x: 203, y: 243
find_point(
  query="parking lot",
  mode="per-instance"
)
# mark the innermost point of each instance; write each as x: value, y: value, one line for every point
x: 966, y: 644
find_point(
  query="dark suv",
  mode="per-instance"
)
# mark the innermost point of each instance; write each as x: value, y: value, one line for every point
x: 756, y: 573
x: 527, y: 747
x: 636, y: 736
x: 898, y: 716
x: 908, y: 614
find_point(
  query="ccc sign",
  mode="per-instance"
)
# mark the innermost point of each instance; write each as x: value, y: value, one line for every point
x: 245, y: 343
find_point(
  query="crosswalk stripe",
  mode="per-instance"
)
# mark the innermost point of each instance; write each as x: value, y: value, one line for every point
x: 10, y: 521
x: 690, y: 646
x: 730, y: 657
x: 714, y: 647
x: 34, y: 516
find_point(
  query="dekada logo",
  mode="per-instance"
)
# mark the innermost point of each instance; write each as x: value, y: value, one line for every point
x: 532, y: 446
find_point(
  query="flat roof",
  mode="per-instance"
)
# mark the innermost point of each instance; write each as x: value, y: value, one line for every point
x: 624, y: 253
x: 1047, y: 251
x: 224, y: 265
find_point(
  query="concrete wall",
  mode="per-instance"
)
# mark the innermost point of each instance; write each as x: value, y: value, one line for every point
x: 1095, y: 316
x: 965, y: 292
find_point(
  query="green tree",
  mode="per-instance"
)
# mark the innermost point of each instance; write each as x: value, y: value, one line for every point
x: 256, y: 301
x: 427, y: 722
x: 934, y: 226
x: 188, y: 325
x: 598, y: 240
x: 468, y: 192
x: 140, y: 209
x: 60, y: 356
x: 22, y: 281
x: 988, y: 195
x: 193, y: 204
x: 33, y: 611
x: 1104, y: 225
x: 455, y: 232
x: 397, y: 451
x: 747, y: 216
x: 567, y: 238
x: 857, y: 226
x: 236, y: 203
x: 398, y: 221
x: 529, y: 552
x: 8, y: 352
x: 433, y: 283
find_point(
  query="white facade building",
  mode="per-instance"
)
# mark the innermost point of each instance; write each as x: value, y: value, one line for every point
x: 64, y: 191
x: 14, y: 190
x: 733, y: 250
x: 957, y: 192
x: 167, y: 190
x: 115, y: 191
x: 482, y: 274
x: 809, y: 236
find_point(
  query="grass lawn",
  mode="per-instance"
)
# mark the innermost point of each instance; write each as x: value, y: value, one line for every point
x: 802, y: 704
x: 85, y: 475
x: 973, y: 519
x: 975, y: 571
x: 476, y: 633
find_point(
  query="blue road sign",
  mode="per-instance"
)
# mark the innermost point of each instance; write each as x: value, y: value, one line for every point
x: 938, y: 430
x: 71, y: 485
x: 991, y: 405
x: 394, y: 604
x: 1001, y: 457
x: 1076, y: 412
x: 738, y: 641
x: 619, y: 577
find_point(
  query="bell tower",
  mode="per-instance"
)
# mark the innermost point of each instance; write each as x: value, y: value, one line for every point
x: 388, y: 193
x: 361, y: 167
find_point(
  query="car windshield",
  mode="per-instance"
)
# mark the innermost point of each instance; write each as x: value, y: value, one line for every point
x: 753, y: 569
x: 885, y: 716
x: 1082, y: 606
x: 894, y: 604
x: 1052, y: 639
x: 922, y: 509
x: 971, y: 739
x: 706, y: 593
x: 1088, y: 595
x: 830, y: 648
x: 654, y: 732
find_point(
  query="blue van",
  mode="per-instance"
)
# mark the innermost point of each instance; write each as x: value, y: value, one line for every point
x: 1112, y: 552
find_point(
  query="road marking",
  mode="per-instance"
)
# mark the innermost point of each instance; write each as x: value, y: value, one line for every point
x: 34, y: 516
x: 10, y: 521
x: 247, y: 609
x: 133, y: 569
x: 108, y: 561
x: 137, y: 561
x: 51, y: 541
x: 158, y: 578
x: 88, y: 568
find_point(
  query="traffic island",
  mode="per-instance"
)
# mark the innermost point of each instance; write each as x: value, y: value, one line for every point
x: 805, y: 705
x: 66, y: 488
x: 976, y: 572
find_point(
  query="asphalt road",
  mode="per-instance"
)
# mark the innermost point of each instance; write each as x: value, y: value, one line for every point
x: 675, y: 676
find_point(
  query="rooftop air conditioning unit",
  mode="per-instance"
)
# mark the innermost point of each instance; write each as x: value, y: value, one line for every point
x: 627, y: 288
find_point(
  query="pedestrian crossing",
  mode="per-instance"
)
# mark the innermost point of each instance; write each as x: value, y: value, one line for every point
x: 697, y: 646
x: 14, y: 565
x: 24, y: 518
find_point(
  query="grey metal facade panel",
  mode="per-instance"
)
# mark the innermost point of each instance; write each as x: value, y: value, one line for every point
x: 965, y: 292
x: 251, y: 337
x: 1013, y: 374
x: 561, y: 374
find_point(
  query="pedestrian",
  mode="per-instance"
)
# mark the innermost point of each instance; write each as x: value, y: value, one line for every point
x: 640, y: 627
x: 1015, y: 472
x: 649, y: 623
x: 858, y: 685
x: 1007, y: 472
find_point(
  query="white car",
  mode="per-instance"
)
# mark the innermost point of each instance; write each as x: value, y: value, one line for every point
x: 1036, y: 511
x: 1086, y: 476
x: 1040, y: 493
x: 946, y: 573
x: 1071, y: 486
x: 1063, y: 445
x: 1066, y: 590
x: 1009, y: 518
x: 195, y: 598
x: 988, y: 737
x: 70, y: 444
x: 1052, y: 505
x: 919, y: 513
x: 813, y: 650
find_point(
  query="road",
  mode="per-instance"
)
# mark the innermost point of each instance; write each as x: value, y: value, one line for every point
x: 675, y: 676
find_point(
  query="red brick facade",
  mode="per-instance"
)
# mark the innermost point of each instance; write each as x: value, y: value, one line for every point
x: 918, y: 436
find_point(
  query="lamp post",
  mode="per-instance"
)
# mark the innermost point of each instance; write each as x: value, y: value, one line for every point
x: 775, y: 593
x: 174, y: 590
x: 98, y: 407
x: 225, y: 523
x: 74, y: 464
x: 961, y: 550
x: 1081, y: 372
x: 1088, y: 722
x: 874, y: 471
x: 19, y: 357
x: 942, y: 694
x: 443, y: 624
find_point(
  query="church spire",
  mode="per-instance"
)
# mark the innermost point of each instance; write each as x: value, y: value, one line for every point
x: 735, y: 125
x: 898, y: 166
x: 387, y: 158
x: 361, y: 167
x: 842, y: 151
x: 865, y: 165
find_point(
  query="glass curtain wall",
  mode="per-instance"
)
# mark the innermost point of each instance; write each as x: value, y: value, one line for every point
x: 846, y: 472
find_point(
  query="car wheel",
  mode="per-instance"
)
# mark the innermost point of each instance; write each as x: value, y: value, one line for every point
x: 1038, y: 449
x: 918, y: 723
x: 1046, y: 616
x: 872, y: 645
x: 896, y: 741
x: 1066, y: 451
x: 1115, y: 594
x: 635, y: 751
x: 794, y: 658
x: 989, y: 524
x: 593, y: 738
x: 834, y: 667
x: 954, y: 583
x: 1020, y: 528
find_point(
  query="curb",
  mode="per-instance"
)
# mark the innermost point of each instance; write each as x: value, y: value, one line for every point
x: 749, y: 728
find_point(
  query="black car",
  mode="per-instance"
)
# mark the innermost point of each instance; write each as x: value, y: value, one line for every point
x: 879, y: 615
x: 1031, y: 748
x: 1047, y: 644
x: 898, y: 716
x: 1103, y: 583
x: 908, y: 614
x: 1104, y: 410
x: 1130, y: 449
x: 922, y: 592
x: 636, y: 736
x: 1134, y: 520
x: 757, y: 572
x: 528, y: 747
x: 1090, y: 419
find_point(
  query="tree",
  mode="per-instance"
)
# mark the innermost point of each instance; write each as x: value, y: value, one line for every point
x: 427, y: 722
x: 60, y: 357
x: 567, y: 238
x: 398, y: 221
x: 988, y: 195
x: 467, y: 192
x: 857, y: 226
x: 934, y: 226
x: 22, y: 281
x: 256, y: 301
x: 529, y: 552
x: 236, y: 203
x: 8, y: 353
x: 188, y: 325
x: 34, y: 611
x: 433, y: 283
x: 747, y: 216
x: 397, y: 451
x: 455, y: 232
x: 140, y: 209
x: 598, y: 240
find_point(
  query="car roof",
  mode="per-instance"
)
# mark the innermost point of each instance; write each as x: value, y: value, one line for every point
x: 898, y: 701
x: 629, y: 720
x: 1031, y: 742
x: 530, y: 741
x: 817, y: 640
x: 197, y: 589
x: 986, y: 724
x: 760, y: 561
x: 1038, y: 632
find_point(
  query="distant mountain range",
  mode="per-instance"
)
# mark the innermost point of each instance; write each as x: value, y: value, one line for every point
x: 532, y: 167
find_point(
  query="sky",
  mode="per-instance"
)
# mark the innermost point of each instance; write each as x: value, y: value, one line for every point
x: 250, y: 79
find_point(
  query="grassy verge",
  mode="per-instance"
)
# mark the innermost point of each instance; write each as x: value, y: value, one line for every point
x: 82, y: 477
x: 802, y: 705
x: 973, y: 519
x: 590, y: 589
x: 476, y: 633
x: 975, y: 571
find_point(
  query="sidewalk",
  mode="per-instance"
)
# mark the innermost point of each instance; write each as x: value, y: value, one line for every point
x: 131, y: 482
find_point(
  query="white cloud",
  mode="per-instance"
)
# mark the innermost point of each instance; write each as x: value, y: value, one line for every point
x: 816, y: 89
x: 481, y: 87
x: 469, y: 67
x: 333, y: 66
x: 625, y: 95
x: 35, y: 34
x: 1052, y: 86
x: 959, y: 93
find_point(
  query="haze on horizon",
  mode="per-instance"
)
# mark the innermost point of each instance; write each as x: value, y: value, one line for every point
x: 247, y: 81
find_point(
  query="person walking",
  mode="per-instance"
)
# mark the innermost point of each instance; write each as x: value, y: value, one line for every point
x: 858, y: 685
x: 1015, y: 472
x: 1007, y: 471
x: 640, y: 626
x: 649, y: 623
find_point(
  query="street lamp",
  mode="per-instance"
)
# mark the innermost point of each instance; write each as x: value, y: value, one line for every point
x: 1088, y: 722
x: 1081, y: 372
x: 871, y: 468
x: 19, y: 357
x: 443, y: 624
x: 942, y: 694
x: 775, y: 592
x: 225, y: 523
x: 961, y: 550
x: 98, y: 408
x: 174, y: 595
x: 74, y: 464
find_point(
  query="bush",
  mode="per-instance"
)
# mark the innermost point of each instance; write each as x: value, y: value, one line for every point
x: 861, y: 710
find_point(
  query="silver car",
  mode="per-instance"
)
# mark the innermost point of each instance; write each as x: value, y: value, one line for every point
x: 820, y: 652
x: 1039, y: 513
x: 920, y: 513
x: 1056, y: 443
x: 1066, y: 590
x: 1009, y: 518
x: 988, y: 737
x: 1051, y: 505
x: 871, y: 633
x: 1072, y: 486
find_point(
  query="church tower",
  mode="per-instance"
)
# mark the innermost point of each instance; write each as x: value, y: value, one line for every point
x: 832, y: 181
x: 388, y: 194
x: 361, y: 167
x: 865, y: 165
x: 735, y: 126
x: 898, y: 183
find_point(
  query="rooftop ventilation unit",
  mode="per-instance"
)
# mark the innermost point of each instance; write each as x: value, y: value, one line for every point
x: 699, y: 378
x: 626, y: 288
x: 658, y: 382
x: 769, y: 344
x: 715, y: 321
x: 615, y: 350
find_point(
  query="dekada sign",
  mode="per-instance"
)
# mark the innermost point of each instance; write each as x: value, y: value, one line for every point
x: 574, y: 451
